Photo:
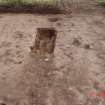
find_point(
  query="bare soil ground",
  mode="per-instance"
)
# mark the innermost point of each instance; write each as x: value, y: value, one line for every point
x: 75, y: 76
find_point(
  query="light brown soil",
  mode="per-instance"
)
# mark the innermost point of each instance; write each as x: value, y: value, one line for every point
x: 73, y: 77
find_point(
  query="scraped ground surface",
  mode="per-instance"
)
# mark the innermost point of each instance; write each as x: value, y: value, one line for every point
x: 75, y: 76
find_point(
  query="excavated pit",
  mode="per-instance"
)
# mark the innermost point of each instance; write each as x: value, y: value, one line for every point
x: 45, y: 41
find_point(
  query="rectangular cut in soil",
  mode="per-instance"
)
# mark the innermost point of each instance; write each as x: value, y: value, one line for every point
x: 45, y: 40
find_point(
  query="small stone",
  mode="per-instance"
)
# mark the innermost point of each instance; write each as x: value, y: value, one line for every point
x: 46, y: 59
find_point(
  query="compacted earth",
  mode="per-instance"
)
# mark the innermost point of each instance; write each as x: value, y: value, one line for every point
x: 74, y: 76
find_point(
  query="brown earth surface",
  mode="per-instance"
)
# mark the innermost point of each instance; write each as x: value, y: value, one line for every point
x: 76, y: 74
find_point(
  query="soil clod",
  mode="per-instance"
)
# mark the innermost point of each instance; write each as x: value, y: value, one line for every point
x: 76, y: 42
x: 87, y: 46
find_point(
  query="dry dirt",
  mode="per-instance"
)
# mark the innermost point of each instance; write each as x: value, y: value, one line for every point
x: 76, y: 74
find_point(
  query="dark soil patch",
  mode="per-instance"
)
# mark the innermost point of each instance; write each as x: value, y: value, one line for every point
x: 76, y: 42
x: 87, y: 46
x: 30, y: 9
